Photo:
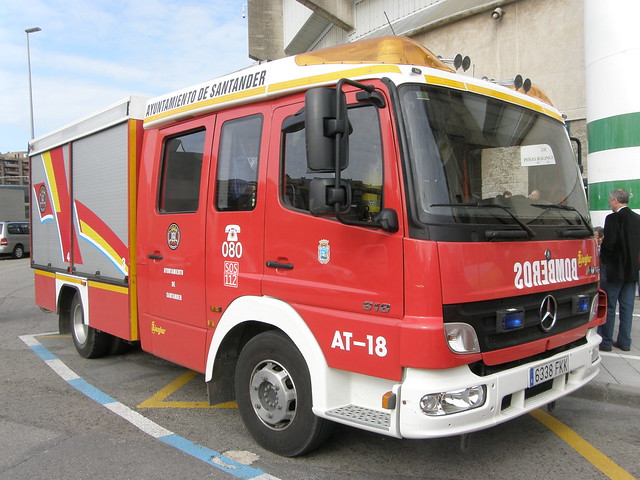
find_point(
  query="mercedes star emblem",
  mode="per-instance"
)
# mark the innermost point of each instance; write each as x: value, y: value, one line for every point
x: 548, y: 313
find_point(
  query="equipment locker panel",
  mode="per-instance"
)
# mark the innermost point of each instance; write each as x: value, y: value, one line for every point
x: 51, y: 209
x: 101, y: 204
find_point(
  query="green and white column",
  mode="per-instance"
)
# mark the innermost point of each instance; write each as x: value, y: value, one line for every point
x: 612, y: 59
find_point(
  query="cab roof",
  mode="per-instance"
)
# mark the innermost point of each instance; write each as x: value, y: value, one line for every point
x: 399, y: 58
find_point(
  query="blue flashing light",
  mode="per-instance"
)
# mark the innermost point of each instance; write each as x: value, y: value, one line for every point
x: 583, y: 304
x: 513, y: 320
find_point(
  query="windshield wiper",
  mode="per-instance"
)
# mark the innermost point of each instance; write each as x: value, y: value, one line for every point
x: 568, y: 233
x: 490, y: 234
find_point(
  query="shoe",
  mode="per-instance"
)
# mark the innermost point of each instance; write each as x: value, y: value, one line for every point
x: 624, y: 349
x: 604, y: 348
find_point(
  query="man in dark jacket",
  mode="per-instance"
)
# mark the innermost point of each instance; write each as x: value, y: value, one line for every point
x: 620, y: 257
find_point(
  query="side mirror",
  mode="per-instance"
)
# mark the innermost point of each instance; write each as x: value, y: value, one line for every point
x: 387, y: 219
x: 326, y: 129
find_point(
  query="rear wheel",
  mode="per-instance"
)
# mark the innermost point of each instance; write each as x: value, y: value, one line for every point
x: 18, y: 251
x: 89, y: 342
x: 273, y: 392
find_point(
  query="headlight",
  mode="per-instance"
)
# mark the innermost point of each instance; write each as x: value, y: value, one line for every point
x: 461, y: 338
x: 446, y: 403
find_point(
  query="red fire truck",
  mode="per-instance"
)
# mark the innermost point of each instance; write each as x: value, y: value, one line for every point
x: 356, y: 235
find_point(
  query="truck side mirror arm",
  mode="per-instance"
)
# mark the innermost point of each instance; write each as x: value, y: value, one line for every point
x: 386, y: 220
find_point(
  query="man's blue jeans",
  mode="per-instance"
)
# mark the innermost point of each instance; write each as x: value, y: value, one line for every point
x: 623, y: 295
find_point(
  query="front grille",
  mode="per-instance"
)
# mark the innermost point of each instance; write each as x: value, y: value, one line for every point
x: 538, y: 389
x: 528, y: 393
x: 482, y: 316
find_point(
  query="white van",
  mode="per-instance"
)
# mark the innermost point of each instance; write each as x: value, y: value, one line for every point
x: 14, y: 238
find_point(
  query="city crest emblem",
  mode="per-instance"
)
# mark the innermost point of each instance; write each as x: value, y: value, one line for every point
x: 42, y: 199
x: 324, y: 252
x: 173, y: 236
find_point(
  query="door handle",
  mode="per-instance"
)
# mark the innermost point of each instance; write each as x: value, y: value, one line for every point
x: 154, y: 256
x: 286, y: 266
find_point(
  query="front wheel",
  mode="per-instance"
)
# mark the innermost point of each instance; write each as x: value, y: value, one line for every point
x: 273, y: 392
x: 89, y: 342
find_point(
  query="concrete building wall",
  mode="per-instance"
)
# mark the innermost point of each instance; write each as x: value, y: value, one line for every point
x: 266, y: 35
x: 539, y: 39
x: 542, y: 40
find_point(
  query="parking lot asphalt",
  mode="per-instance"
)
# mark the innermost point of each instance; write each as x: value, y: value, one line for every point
x: 619, y: 378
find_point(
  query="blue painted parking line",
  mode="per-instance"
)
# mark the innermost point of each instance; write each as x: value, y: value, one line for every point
x: 90, y: 391
x: 210, y: 457
x: 43, y: 353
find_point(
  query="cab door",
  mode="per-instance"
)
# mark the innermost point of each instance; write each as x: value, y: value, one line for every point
x: 235, y: 223
x: 345, y: 281
x: 171, y: 242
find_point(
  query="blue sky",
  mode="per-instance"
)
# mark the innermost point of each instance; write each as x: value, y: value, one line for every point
x: 92, y: 53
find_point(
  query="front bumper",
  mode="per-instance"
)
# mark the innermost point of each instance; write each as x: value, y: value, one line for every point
x: 507, y: 393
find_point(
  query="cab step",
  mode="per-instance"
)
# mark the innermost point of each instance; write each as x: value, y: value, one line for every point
x: 362, y: 416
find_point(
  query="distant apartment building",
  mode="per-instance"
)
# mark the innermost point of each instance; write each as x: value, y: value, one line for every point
x: 14, y: 168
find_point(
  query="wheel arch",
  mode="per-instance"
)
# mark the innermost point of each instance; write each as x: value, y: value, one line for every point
x: 247, y: 317
x: 65, y: 297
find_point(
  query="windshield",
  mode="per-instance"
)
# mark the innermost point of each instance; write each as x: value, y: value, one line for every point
x: 481, y: 161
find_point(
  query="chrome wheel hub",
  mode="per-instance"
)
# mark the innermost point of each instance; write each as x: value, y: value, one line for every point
x: 273, y: 395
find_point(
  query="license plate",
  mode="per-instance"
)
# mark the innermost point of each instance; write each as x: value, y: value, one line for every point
x: 548, y: 370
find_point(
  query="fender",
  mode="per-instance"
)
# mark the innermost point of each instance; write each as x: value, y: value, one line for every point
x: 76, y: 283
x: 281, y: 315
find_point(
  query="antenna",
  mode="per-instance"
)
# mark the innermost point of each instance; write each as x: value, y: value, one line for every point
x: 390, y: 26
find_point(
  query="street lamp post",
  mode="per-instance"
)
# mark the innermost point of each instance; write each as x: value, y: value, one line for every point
x: 28, y: 31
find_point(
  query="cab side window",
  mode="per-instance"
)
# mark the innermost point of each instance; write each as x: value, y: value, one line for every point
x: 181, y: 172
x: 237, y: 175
x: 364, y: 173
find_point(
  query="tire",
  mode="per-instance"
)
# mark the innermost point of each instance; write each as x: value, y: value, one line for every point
x: 18, y: 251
x: 273, y: 392
x: 89, y: 342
